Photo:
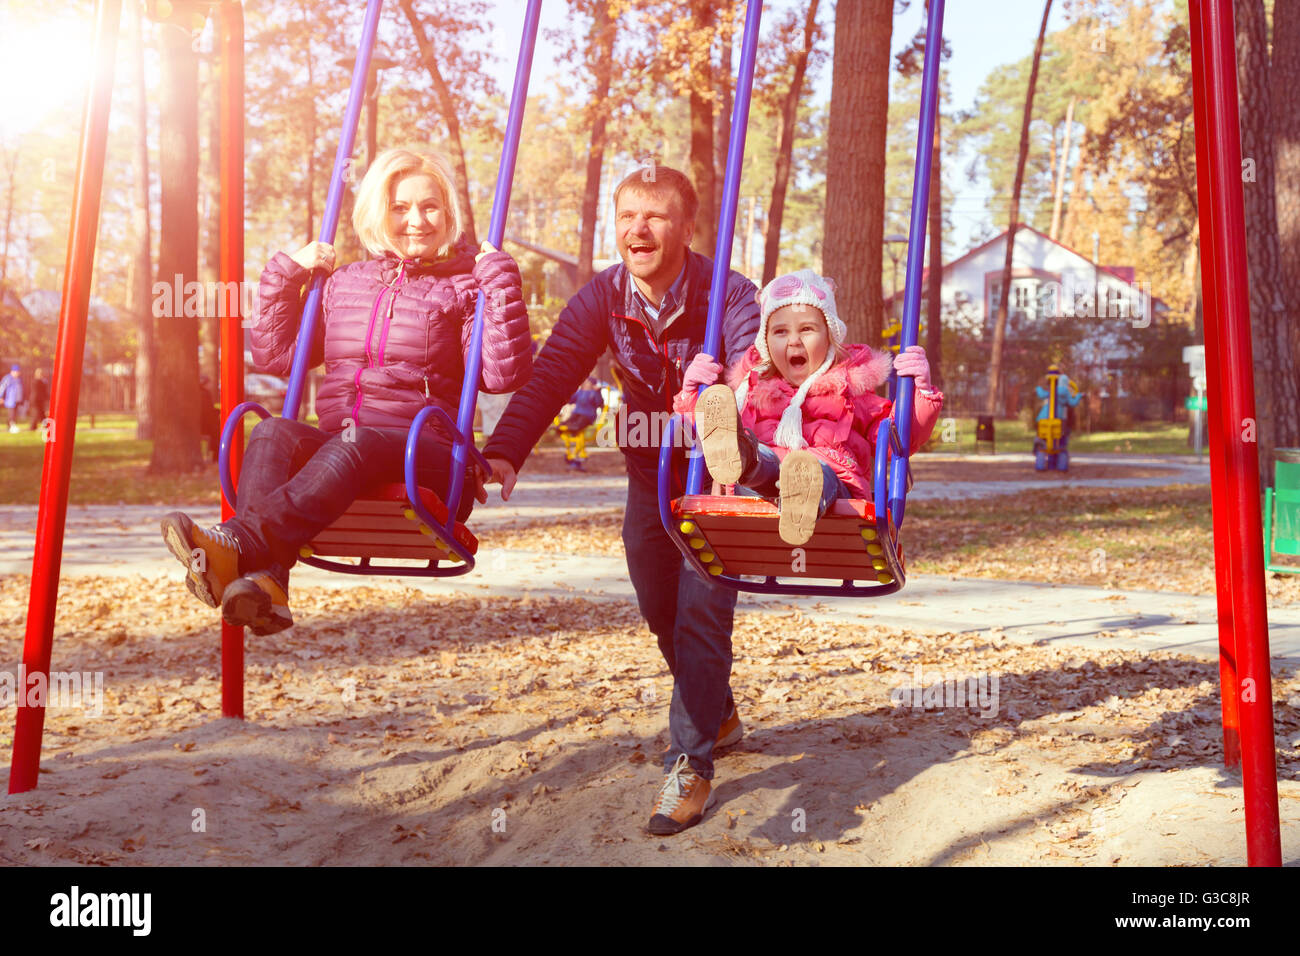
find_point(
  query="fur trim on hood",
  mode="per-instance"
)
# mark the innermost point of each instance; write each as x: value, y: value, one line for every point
x: 865, y: 370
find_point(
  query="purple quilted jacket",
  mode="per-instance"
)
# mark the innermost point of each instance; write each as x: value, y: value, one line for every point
x: 396, y: 332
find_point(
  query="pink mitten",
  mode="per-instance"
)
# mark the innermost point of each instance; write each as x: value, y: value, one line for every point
x: 702, y: 371
x: 913, y: 362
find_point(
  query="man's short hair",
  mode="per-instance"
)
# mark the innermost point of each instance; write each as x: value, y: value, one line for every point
x: 658, y: 179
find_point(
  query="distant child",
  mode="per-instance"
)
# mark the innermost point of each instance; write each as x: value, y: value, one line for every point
x: 807, y: 405
x: 576, y: 417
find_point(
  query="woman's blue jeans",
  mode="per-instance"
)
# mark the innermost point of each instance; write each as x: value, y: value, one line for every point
x: 297, y: 480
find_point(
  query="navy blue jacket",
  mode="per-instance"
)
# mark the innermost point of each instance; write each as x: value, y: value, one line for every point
x: 602, y: 315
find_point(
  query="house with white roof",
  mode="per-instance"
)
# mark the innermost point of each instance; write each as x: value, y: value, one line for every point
x: 1050, y: 284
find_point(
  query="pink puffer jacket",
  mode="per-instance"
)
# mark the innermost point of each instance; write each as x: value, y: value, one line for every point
x: 840, y: 412
x: 395, y: 333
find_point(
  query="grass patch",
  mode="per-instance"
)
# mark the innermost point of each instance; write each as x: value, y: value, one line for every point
x: 109, y: 466
x: 1011, y: 435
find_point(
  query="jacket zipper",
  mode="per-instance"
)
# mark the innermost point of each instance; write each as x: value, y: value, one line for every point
x: 668, y: 398
x: 663, y: 354
x: 370, y: 331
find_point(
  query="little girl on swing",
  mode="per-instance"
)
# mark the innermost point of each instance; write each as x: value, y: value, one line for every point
x: 796, y: 419
x: 394, y: 335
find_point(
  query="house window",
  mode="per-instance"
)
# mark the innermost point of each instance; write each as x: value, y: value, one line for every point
x: 1024, y: 297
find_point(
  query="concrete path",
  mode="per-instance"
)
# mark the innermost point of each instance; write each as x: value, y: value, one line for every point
x: 106, y: 540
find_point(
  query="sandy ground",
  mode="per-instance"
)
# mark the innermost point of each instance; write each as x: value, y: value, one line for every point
x: 389, y: 728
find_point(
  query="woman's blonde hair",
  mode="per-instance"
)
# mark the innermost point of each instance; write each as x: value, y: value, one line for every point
x: 370, y: 212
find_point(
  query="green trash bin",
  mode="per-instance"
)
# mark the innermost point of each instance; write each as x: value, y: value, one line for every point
x: 1282, y: 511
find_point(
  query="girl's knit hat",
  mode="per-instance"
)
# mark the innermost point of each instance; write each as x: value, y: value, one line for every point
x: 804, y: 287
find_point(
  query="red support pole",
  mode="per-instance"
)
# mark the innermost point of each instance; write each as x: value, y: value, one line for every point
x: 1218, y: 467
x: 231, y: 23
x: 1214, y: 54
x: 65, y: 389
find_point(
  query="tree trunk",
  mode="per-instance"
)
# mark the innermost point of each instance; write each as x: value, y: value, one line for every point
x: 176, y: 420
x: 723, y: 91
x: 702, y: 171
x: 142, y: 257
x: 852, y: 246
x: 1004, y: 301
x: 446, y: 107
x: 785, y: 152
x: 1075, y: 197
x: 1275, y: 386
x: 210, y: 333
x: 309, y: 234
x: 603, y: 32
x: 1060, y: 173
x: 1285, y: 69
x: 934, y: 305
x: 11, y: 171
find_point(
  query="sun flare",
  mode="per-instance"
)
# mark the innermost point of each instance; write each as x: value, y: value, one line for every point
x: 44, y: 68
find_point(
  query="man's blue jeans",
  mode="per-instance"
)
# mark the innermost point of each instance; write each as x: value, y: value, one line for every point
x: 692, y: 619
x: 282, y: 506
x: 759, y: 480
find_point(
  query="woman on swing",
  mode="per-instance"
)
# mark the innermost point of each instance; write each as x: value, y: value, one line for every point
x: 394, y: 332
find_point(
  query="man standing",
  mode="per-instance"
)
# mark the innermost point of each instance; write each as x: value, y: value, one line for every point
x: 650, y: 312
x: 11, y: 391
x: 40, y: 398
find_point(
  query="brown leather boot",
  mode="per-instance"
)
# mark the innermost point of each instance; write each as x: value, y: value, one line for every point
x: 258, y: 602
x: 210, y: 556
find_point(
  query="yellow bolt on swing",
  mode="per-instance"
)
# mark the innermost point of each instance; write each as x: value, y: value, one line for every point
x: 869, y: 534
x: 687, y: 527
x: 305, y: 551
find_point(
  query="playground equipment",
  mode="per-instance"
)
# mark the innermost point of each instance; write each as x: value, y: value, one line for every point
x: 1282, y: 511
x: 589, y: 409
x: 1239, y: 566
x: 395, y: 521
x: 1052, y: 444
x: 730, y: 538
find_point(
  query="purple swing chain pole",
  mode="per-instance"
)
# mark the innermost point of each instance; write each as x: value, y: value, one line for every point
x: 496, y: 234
x: 333, y: 203
x: 727, y: 216
x: 915, y: 254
